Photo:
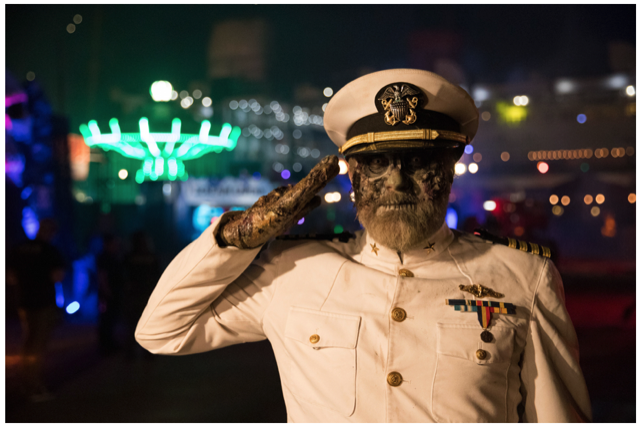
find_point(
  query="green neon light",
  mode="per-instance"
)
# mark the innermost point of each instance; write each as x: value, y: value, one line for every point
x: 161, y: 153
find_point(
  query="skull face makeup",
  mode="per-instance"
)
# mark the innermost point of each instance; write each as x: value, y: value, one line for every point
x: 401, y: 198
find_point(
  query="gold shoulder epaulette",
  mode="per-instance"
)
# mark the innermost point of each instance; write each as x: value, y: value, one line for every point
x: 342, y: 237
x: 532, y: 248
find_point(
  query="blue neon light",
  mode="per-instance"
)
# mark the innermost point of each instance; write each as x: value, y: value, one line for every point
x: 30, y: 223
x: 73, y: 307
x: 452, y: 218
x: 203, y: 215
x: 26, y: 193
x: 59, y: 295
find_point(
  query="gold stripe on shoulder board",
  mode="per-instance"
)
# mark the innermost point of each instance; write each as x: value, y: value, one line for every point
x: 535, y: 249
x: 523, y: 246
x: 532, y: 248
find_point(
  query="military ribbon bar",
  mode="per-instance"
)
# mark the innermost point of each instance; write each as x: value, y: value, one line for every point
x: 483, y: 308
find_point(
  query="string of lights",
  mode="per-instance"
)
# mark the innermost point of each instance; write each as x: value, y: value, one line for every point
x: 584, y: 153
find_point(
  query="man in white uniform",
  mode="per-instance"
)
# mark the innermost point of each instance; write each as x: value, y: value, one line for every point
x: 407, y: 322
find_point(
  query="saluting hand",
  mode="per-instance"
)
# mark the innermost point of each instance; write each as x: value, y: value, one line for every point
x: 274, y: 213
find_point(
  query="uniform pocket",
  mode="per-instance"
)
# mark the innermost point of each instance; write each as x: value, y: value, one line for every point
x: 322, y: 358
x: 470, y: 382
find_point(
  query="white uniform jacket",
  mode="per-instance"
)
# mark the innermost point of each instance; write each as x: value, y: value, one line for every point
x: 326, y: 309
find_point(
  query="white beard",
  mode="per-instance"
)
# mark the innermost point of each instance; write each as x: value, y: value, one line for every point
x: 402, y: 229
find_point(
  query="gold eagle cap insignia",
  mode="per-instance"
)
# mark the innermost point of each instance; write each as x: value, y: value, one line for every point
x: 399, y: 104
x: 481, y: 291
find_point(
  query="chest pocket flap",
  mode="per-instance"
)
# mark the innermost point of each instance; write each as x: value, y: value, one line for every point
x: 322, y: 358
x: 471, y: 379
x: 463, y: 341
x: 319, y: 329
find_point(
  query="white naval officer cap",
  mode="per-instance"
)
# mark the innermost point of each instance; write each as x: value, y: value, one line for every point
x: 400, y: 109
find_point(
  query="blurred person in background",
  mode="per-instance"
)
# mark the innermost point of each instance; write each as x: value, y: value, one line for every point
x: 34, y: 267
x: 110, y: 287
x: 142, y: 271
x: 407, y: 321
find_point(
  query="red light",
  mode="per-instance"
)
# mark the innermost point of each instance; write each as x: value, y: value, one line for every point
x: 543, y: 167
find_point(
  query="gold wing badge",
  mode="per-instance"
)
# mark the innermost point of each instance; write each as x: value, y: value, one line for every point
x: 398, y: 106
x: 481, y: 291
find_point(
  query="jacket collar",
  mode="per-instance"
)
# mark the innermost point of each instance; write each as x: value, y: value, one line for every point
x: 375, y: 253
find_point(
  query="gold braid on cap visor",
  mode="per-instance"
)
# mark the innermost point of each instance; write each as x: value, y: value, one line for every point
x: 403, y: 135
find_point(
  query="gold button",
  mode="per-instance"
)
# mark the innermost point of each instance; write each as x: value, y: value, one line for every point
x: 394, y: 379
x: 398, y: 314
x: 405, y: 273
x: 481, y: 354
x: 314, y: 338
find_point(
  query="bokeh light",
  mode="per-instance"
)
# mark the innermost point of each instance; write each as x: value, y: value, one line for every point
x: 505, y: 156
x: 73, y: 307
x: 543, y: 167
x: 333, y: 197
x: 451, y: 218
x: 595, y: 211
x: 554, y: 199
x: 123, y: 174
x: 327, y: 92
x: 557, y: 210
x: 477, y: 157
x: 468, y: 149
x: 285, y: 174
x: 588, y: 199
x: 460, y: 169
x: 344, y: 166
x: 161, y: 91
x: 473, y: 167
x: 600, y: 199
x: 632, y: 198
x: 489, y: 205
x: 565, y: 86
x: 565, y: 200
x: 581, y: 118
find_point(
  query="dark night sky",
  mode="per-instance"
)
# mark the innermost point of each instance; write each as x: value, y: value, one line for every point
x: 131, y: 46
